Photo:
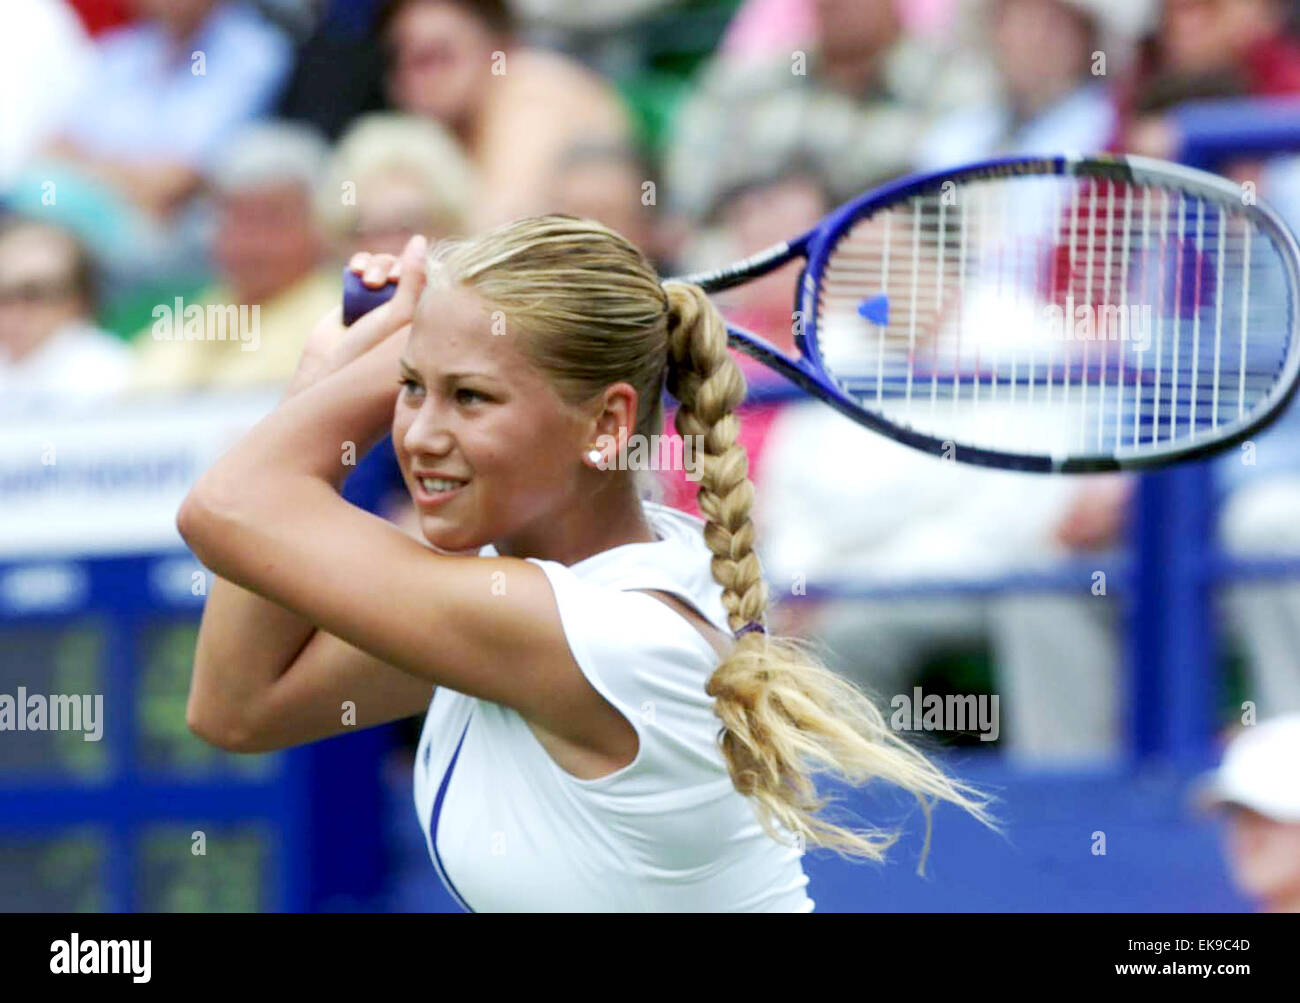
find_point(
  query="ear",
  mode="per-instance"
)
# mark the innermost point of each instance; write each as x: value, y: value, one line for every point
x: 616, y: 416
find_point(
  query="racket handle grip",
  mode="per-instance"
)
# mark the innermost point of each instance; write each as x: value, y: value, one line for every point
x: 359, y: 299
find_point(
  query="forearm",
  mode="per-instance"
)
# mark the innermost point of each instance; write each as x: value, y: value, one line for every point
x: 245, y: 645
x: 246, y: 642
x: 316, y: 435
x: 285, y: 472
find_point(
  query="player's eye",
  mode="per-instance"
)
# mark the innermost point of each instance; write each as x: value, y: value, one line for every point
x: 465, y: 395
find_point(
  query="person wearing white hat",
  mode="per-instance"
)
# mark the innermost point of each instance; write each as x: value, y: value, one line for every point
x: 1258, y: 783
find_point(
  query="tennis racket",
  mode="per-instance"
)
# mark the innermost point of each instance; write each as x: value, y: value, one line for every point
x: 1055, y: 314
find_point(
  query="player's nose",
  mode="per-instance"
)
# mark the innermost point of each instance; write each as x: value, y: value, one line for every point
x: 428, y: 434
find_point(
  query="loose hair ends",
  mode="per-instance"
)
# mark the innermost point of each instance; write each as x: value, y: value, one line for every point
x: 787, y: 718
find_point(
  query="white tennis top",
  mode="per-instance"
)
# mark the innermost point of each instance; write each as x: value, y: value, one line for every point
x: 509, y: 830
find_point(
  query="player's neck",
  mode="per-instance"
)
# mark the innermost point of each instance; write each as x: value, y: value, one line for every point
x: 611, y: 518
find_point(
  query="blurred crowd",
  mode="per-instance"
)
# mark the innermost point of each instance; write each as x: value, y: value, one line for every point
x: 166, y: 156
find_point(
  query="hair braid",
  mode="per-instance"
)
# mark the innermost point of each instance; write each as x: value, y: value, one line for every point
x: 706, y: 380
x: 783, y: 713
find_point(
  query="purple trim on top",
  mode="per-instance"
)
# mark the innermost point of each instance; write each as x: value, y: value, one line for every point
x: 437, y: 814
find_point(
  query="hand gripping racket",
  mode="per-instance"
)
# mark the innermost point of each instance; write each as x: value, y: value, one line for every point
x: 1057, y: 314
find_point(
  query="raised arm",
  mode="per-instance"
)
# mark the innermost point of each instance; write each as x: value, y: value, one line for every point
x: 268, y: 518
x: 264, y: 677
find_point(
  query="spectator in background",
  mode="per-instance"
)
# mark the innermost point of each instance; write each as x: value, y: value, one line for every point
x: 606, y: 182
x: 338, y: 73
x: 844, y: 504
x: 1259, y: 788
x: 765, y: 210
x: 856, y: 103
x: 166, y: 93
x: 514, y: 109
x: 270, y: 251
x: 596, y: 32
x: 392, y: 176
x: 1050, y: 99
x: 52, y: 357
x: 160, y: 100
x: 1050, y: 96
x: 44, y: 57
x: 1205, y: 49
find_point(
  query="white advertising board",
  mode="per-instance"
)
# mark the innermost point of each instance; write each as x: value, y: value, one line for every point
x: 111, y: 481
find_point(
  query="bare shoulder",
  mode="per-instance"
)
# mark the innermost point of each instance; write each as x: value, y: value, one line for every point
x: 332, y: 688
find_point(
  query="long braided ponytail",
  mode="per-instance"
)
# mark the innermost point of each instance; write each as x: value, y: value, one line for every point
x: 784, y: 715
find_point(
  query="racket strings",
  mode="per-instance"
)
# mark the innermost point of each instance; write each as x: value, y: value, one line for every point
x: 1057, y: 315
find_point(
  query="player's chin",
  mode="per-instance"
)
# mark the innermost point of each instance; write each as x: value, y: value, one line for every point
x: 448, y: 539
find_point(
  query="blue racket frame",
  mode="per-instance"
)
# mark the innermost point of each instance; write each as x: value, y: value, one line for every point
x: 816, y: 246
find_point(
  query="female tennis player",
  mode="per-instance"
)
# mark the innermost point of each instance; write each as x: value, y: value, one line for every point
x: 609, y: 726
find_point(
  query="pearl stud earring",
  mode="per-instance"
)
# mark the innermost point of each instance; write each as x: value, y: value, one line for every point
x: 595, y: 455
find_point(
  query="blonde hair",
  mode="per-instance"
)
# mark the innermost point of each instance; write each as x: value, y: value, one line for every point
x: 384, y: 143
x: 592, y: 311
